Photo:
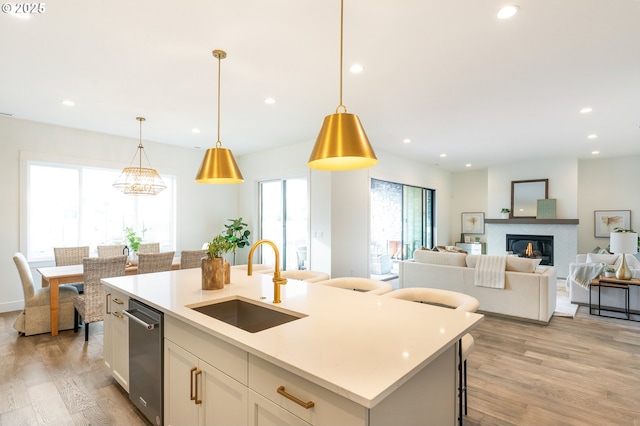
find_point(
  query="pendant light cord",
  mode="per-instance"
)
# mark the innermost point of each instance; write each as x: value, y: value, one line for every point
x: 218, y: 142
x: 341, y: 43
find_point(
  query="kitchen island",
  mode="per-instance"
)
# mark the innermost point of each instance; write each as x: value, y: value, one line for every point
x: 352, y: 358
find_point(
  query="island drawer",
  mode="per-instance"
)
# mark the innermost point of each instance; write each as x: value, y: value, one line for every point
x: 227, y: 358
x: 328, y: 407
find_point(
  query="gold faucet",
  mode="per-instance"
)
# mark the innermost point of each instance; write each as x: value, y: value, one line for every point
x: 277, y: 279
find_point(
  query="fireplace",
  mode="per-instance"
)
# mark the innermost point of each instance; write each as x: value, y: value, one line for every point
x: 532, y: 246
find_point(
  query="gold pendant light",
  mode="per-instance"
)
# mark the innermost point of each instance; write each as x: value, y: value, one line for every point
x: 218, y: 165
x: 139, y: 180
x: 342, y: 143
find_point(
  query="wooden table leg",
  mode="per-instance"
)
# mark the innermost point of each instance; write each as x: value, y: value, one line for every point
x: 53, y: 299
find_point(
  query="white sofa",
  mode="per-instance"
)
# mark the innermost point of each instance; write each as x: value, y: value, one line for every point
x: 527, y: 295
x: 611, y: 297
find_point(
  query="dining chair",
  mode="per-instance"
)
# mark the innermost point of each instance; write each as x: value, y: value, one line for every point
x: 65, y: 256
x: 191, y: 258
x: 35, y: 318
x: 155, y: 262
x: 111, y: 251
x: 90, y: 306
x: 147, y: 248
x: 364, y: 285
x: 451, y: 299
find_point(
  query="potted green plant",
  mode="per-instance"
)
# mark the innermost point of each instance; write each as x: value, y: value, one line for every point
x: 609, y: 271
x: 237, y: 235
x: 133, y: 240
x: 505, y: 213
x: 213, y: 266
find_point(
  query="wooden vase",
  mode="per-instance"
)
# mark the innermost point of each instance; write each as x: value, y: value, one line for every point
x: 227, y: 272
x: 212, y: 273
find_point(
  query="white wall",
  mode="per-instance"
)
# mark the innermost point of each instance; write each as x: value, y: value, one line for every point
x: 201, y: 213
x: 469, y: 195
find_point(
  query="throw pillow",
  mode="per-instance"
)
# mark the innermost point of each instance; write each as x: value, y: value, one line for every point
x: 608, y: 259
x: 440, y: 258
x: 521, y: 264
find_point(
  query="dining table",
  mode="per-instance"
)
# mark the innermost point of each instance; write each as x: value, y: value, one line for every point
x: 55, y: 276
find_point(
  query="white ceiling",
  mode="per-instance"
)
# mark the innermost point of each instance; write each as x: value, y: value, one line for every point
x: 446, y: 74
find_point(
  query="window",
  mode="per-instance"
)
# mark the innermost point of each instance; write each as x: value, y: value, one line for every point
x: 284, y: 220
x: 402, y: 219
x: 72, y: 205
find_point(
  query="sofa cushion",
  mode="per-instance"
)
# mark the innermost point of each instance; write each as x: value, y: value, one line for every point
x: 472, y: 259
x: 440, y: 258
x: 608, y: 259
x: 521, y: 264
x: 632, y: 261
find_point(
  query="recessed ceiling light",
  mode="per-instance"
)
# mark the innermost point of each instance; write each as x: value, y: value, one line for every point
x: 586, y: 110
x: 406, y: 140
x: 356, y: 68
x: 508, y: 11
x: 592, y: 136
x: 443, y: 155
x: 468, y: 165
x: 270, y: 101
x: 595, y: 152
x: 67, y: 102
x: 194, y: 130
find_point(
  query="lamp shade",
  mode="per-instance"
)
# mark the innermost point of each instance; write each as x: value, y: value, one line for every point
x: 624, y: 242
x: 342, y: 144
x: 219, y: 166
x: 139, y: 181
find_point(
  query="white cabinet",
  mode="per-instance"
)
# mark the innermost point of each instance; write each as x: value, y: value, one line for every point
x: 195, y: 391
x: 263, y: 412
x: 473, y: 248
x: 116, y: 336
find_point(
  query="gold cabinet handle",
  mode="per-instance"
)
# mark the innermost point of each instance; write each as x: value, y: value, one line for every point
x: 191, y: 393
x: 117, y: 314
x: 118, y: 301
x: 298, y: 401
x: 198, y: 373
x: 106, y: 302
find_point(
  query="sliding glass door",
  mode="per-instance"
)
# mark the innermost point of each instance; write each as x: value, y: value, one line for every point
x: 402, y: 220
x: 283, y: 220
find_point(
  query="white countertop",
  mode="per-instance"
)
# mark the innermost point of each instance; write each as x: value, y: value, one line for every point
x: 357, y: 345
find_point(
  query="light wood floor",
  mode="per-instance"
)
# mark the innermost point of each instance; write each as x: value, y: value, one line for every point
x: 580, y: 371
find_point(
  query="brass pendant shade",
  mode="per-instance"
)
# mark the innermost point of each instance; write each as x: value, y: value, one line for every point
x: 218, y: 165
x: 342, y: 145
x: 139, y: 180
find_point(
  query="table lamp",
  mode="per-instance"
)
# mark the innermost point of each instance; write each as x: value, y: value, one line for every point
x: 624, y: 243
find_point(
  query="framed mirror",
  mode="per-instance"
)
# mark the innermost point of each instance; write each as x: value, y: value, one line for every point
x: 525, y: 195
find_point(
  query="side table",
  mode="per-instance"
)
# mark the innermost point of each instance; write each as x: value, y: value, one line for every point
x: 611, y: 283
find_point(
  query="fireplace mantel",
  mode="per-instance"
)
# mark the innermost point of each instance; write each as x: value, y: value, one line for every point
x: 533, y: 221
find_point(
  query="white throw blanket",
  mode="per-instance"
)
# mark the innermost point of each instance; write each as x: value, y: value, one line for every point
x: 585, y: 272
x: 489, y: 271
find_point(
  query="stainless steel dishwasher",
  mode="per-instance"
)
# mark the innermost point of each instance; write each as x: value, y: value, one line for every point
x: 146, y: 359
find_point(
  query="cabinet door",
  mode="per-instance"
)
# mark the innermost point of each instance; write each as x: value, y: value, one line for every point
x: 263, y: 412
x: 107, y: 343
x: 119, y: 339
x: 179, y: 385
x: 224, y: 400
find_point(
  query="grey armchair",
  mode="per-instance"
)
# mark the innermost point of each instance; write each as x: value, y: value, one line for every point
x: 36, y: 316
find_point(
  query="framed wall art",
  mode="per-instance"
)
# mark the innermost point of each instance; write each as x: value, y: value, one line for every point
x: 473, y: 223
x: 606, y: 220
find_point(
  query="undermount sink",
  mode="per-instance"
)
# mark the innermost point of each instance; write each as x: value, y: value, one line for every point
x: 247, y: 315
